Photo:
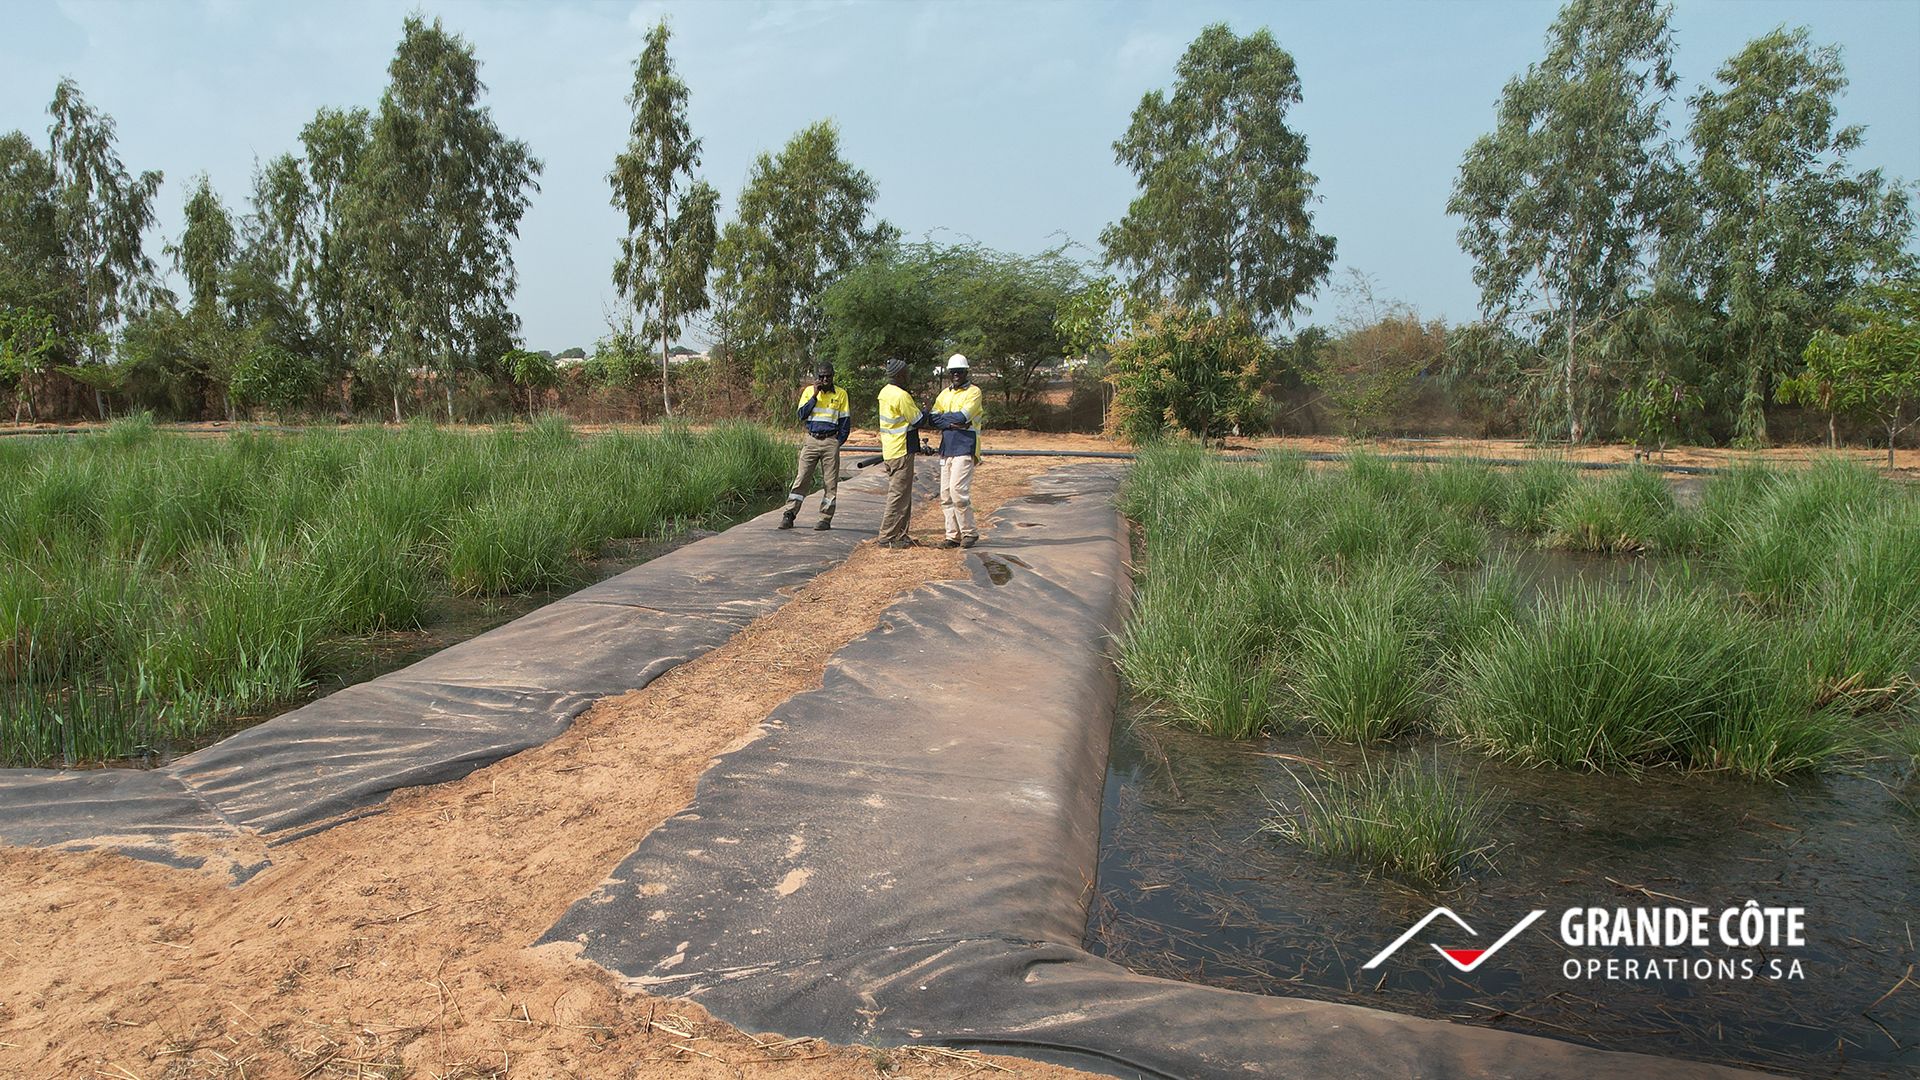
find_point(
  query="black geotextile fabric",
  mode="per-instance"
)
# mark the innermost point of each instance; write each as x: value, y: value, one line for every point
x: 463, y: 708
x: 907, y: 853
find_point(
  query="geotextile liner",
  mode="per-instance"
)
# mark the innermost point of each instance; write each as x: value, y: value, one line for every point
x: 907, y: 854
x: 461, y: 709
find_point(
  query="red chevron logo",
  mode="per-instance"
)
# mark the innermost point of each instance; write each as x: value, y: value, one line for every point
x: 1464, y: 959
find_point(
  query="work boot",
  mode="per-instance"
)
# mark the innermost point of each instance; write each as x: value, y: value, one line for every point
x: 968, y: 541
x: 823, y: 524
x: 786, y: 519
x: 950, y: 542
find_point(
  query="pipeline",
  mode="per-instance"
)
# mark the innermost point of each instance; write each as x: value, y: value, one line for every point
x: 1110, y: 455
x: 1325, y: 455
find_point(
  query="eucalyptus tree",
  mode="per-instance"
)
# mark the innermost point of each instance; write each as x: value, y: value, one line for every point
x: 803, y: 221
x: 1788, y: 229
x: 32, y: 265
x: 1565, y: 200
x: 207, y: 246
x: 1223, y: 216
x: 101, y: 211
x: 431, y: 211
x: 668, y: 247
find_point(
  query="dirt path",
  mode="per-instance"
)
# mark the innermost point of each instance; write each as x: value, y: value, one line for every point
x: 396, y: 945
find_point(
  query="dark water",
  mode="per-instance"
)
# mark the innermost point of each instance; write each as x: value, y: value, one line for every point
x: 1191, y: 889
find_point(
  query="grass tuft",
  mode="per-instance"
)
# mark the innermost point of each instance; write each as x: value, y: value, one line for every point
x: 1410, y: 820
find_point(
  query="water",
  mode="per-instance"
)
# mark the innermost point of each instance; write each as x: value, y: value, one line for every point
x: 1191, y: 889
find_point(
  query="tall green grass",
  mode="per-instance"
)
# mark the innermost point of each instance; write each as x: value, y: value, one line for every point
x: 1623, y: 512
x: 156, y: 586
x: 1364, y: 602
x: 1608, y: 680
x: 1410, y: 820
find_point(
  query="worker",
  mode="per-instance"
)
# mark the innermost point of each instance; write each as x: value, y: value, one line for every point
x: 957, y: 414
x: 828, y: 420
x: 900, y: 415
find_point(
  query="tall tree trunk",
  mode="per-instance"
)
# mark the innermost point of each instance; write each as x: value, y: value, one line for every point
x: 1893, y: 430
x: 1566, y: 384
x: 666, y: 401
x: 1833, y: 440
x: 396, y: 404
x: 1753, y: 410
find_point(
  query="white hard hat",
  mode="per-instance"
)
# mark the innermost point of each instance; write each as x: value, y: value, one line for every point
x: 956, y: 361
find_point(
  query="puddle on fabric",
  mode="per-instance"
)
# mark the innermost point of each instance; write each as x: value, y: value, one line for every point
x: 1046, y: 500
x: 1000, y: 567
x: 1190, y: 888
x: 448, y: 620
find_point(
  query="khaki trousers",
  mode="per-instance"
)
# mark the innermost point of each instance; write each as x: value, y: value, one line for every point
x: 893, y: 524
x: 956, y: 496
x: 824, y: 455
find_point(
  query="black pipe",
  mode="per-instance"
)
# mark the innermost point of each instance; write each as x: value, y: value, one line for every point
x: 1325, y: 455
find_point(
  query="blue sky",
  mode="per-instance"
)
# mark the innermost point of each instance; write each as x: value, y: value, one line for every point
x: 987, y: 120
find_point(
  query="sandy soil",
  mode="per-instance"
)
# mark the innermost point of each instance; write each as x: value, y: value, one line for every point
x: 396, y: 945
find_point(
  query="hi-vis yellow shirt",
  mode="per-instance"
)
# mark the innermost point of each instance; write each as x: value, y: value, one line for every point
x: 968, y: 402
x: 830, y: 410
x: 898, y: 414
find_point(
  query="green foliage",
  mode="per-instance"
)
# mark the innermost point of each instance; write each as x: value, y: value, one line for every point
x: 155, y: 586
x: 27, y: 341
x: 431, y: 209
x: 532, y: 372
x: 670, y: 237
x: 802, y: 222
x: 1367, y: 374
x: 1410, y: 820
x: 1360, y: 666
x: 207, y: 248
x: 619, y: 359
x: 1186, y: 370
x: 271, y: 377
x: 1872, y: 371
x: 1560, y: 200
x: 1624, y: 512
x: 926, y: 300
x: 1788, y: 229
x: 1223, y: 216
x: 1534, y: 488
x: 1595, y: 679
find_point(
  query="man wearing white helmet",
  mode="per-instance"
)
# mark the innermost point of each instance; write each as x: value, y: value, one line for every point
x: 957, y: 414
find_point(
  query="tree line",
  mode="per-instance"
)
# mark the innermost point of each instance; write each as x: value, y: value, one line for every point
x: 1636, y: 282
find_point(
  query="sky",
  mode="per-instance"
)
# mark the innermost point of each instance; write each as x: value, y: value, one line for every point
x: 984, y: 120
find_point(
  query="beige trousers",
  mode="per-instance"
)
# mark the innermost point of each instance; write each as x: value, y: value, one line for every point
x: 893, y: 523
x: 823, y: 455
x: 956, y: 496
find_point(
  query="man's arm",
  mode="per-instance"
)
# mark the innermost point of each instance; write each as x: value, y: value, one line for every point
x: 807, y: 398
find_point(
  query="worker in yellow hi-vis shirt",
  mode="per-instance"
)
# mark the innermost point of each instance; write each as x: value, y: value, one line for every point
x: 899, y: 416
x: 957, y: 414
x: 829, y: 419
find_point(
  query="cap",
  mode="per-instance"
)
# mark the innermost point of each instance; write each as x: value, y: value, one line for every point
x: 896, y: 367
x: 823, y: 369
x: 956, y: 361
